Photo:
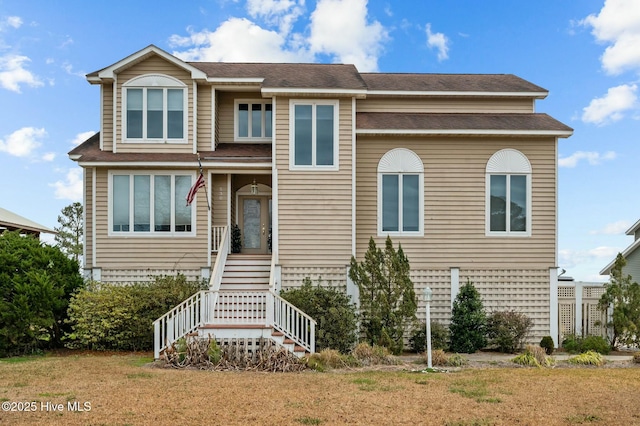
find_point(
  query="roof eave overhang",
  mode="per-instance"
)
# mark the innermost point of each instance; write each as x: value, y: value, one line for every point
x: 607, y: 269
x: 108, y: 74
x: 210, y: 163
x: 444, y: 93
x: 302, y: 91
x: 465, y: 132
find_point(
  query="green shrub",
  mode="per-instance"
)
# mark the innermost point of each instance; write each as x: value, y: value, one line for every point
x: 120, y: 317
x: 468, y: 321
x: 439, y: 337
x: 572, y: 344
x: 333, y: 311
x: 507, y: 330
x: 595, y: 343
x: 588, y: 358
x: 36, y: 283
x: 547, y: 344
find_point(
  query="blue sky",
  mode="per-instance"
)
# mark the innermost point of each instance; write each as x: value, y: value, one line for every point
x: 586, y: 53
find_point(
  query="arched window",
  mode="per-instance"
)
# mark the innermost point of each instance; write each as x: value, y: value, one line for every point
x: 400, y: 194
x: 508, y: 194
x: 154, y: 108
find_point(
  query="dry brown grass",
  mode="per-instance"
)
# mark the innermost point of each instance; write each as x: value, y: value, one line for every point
x: 123, y: 391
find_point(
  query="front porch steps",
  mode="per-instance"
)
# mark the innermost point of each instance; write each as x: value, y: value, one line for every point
x: 240, y: 331
x: 244, y: 272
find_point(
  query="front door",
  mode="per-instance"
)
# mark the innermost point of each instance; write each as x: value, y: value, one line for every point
x: 255, y: 224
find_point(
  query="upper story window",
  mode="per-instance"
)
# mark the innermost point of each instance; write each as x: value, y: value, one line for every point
x: 400, y: 194
x: 253, y: 120
x: 508, y: 194
x: 313, y: 129
x: 155, y: 108
x: 150, y: 204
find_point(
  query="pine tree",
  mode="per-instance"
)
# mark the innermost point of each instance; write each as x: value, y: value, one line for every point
x: 387, y: 298
x: 468, y: 321
x: 70, y: 231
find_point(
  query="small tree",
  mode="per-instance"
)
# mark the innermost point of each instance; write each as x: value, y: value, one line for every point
x: 468, y: 321
x: 36, y: 283
x: 622, y: 295
x: 387, y: 298
x: 70, y: 231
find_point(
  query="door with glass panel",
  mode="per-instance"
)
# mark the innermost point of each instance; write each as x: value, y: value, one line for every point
x: 254, y: 219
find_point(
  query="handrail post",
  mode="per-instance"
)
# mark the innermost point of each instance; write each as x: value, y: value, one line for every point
x: 157, y: 340
x: 271, y: 301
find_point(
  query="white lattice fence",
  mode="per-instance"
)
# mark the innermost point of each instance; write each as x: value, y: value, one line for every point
x: 523, y: 290
x: 329, y: 276
x: 440, y: 283
x: 127, y: 276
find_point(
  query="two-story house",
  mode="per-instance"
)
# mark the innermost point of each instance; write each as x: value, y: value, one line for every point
x: 310, y: 161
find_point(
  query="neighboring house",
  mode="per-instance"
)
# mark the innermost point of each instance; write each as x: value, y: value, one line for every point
x: 631, y: 255
x: 10, y: 221
x: 310, y: 161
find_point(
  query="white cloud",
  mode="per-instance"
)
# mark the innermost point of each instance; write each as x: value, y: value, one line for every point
x: 618, y: 24
x: 11, y: 21
x: 81, y: 137
x: 593, y: 158
x: 251, y: 43
x: 615, y: 228
x: 69, y: 70
x: 49, y: 156
x: 281, y: 13
x: 341, y: 29
x: 13, y: 73
x: 71, y: 187
x: 611, y: 107
x: 338, y: 29
x: 438, y: 41
x: 599, y: 255
x: 23, y: 142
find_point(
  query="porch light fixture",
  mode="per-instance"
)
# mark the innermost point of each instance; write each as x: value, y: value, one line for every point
x: 254, y: 188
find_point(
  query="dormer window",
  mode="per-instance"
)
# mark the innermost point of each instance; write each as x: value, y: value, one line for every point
x: 155, y: 108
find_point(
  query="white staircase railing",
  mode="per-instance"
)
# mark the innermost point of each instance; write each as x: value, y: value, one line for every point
x: 180, y: 321
x: 240, y: 308
x: 217, y: 235
x: 294, y: 323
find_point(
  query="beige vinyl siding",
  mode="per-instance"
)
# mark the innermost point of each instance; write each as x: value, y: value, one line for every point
x: 204, y: 118
x: 219, y: 196
x: 445, y: 105
x: 153, y: 253
x: 88, y: 217
x: 226, y: 112
x: 314, y: 206
x: 155, y: 65
x: 106, y: 132
x: 454, y: 203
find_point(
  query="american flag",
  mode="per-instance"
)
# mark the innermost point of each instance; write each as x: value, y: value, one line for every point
x: 196, y: 186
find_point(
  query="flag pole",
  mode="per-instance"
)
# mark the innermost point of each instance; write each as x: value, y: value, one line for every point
x: 206, y: 194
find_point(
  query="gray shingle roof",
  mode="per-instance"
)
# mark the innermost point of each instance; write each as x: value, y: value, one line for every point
x: 533, y: 122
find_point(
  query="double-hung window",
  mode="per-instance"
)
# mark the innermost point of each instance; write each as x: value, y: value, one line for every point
x: 508, y: 199
x: 314, y: 135
x: 150, y: 204
x: 154, y: 108
x: 400, y: 194
x: 253, y: 120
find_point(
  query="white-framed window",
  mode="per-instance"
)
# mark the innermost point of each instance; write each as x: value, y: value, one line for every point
x: 145, y: 204
x: 508, y: 194
x: 313, y: 128
x: 154, y: 109
x: 400, y: 194
x: 253, y: 120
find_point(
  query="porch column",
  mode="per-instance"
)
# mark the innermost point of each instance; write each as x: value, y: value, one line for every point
x: 553, y: 305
